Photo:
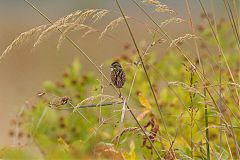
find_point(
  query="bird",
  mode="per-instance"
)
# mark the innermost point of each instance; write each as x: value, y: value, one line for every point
x: 117, y: 75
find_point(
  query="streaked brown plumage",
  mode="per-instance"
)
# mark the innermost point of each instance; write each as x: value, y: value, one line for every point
x: 117, y: 75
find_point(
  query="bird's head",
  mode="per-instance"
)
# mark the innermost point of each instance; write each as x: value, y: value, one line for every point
x: 116, y: 65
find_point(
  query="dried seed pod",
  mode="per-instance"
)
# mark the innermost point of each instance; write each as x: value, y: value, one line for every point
x: 40, y: 94
x: 154, y: 128
x: 59, y: 102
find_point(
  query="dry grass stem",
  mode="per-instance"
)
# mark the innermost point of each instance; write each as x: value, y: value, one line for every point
x: 88, y: 13
x: 47, y: 31
x: 88, y: 32
x: 125, y: 130
x: 99, y: 15
x: 71, y: 27
x: 72, y: 16
x: 113, y: 24
x: 101, y: 97
x: 81, y: 16
x: 72, y: 22
x: 23, y: 38
x: 154, y: 2
x: 159, y: 7
x: 124, y: 108
x: 171, y: 20
x: 181, y: 39
x: 186, y: 87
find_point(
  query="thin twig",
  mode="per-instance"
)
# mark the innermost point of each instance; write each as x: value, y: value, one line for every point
x: 79, y: 112
x: 206, y: 125
x: 229, y: 148
x: 89, y: 106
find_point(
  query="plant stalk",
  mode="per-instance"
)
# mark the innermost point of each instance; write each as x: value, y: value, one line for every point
x: 206, y: 126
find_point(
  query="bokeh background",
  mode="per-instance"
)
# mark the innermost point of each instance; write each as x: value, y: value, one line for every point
x: 22, y: 72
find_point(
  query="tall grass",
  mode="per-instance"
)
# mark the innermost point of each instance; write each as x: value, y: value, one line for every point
x: 196, y: 96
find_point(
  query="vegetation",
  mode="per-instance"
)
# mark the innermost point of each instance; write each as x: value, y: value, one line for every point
x: 186, y: 105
